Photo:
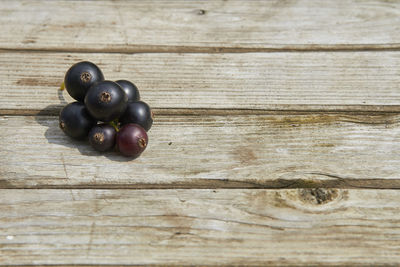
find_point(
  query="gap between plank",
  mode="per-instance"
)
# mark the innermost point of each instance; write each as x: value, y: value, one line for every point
x: 132, y: 49
x: 335, y: 182
x: 272, y: 110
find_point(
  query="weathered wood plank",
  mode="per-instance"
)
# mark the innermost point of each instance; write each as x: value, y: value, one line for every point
x: 366, y: 81
x: 207, y: 26
x: 301, y: 227
x: 261, y: 151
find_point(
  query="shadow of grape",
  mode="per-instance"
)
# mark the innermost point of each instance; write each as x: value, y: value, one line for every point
x: 48, y: 117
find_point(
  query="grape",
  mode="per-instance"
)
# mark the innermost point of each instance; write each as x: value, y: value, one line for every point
x: 75, y: 121
x: 140, y: 113
x: 80, y: 77
x: 102, y: 137
x: 130, y: 90
x: 115, y: 104
x: 106, y: 101
x: 132, y: 140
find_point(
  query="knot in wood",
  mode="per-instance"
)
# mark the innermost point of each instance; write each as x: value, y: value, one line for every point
x: 201, y: 12
x: 318, y: 196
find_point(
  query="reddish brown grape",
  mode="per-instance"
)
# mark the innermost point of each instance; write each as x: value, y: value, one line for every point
x: 132, y: 140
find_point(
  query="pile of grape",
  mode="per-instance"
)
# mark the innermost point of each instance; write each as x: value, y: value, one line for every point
x: 109, y: 113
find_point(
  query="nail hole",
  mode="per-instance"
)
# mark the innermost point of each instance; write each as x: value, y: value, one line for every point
x: 201, y: 12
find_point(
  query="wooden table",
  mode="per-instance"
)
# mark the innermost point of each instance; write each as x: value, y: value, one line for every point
x: 276, y: 139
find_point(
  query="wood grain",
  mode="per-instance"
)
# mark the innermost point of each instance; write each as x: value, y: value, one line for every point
x: 252, y: 151
x: 207, y: 227
x: 249, y: 98
x: 340, y: 81
x: 193, y: 26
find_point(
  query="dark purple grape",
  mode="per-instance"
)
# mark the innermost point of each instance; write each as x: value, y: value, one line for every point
x: 106, y: 101
x: 75, y: 121
x: 130, y: 90
x: 140, y: 113
x: 102, y: 137
x: 132, y: 140
x: 80, y: 77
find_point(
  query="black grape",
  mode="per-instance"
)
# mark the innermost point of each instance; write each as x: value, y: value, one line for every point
x: 80, y: 77
x: 140, y: 113
x: 106, y: 101
x: 102, y: 137
x: 130, y: 90
x: 75, y: 121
